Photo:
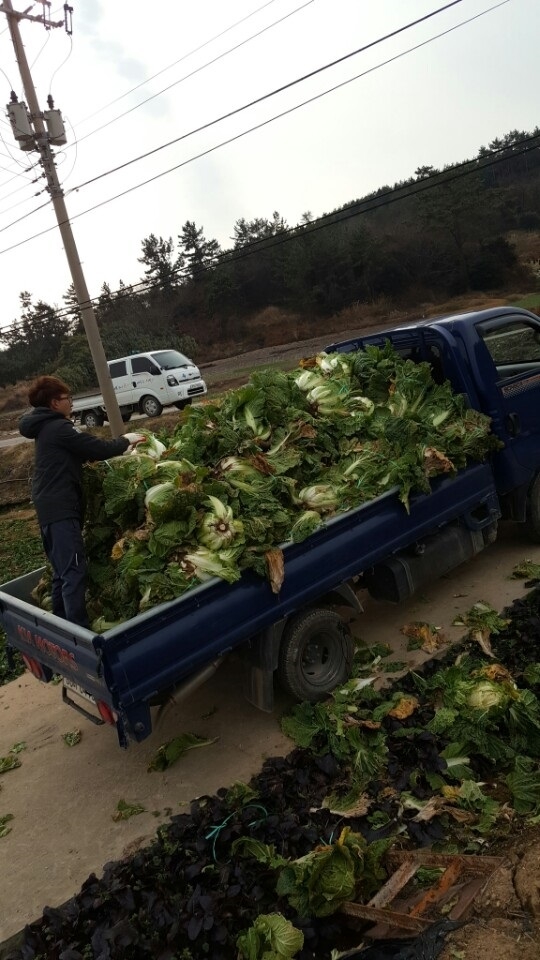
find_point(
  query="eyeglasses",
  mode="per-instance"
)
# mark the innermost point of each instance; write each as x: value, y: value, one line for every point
x: 65, y: 396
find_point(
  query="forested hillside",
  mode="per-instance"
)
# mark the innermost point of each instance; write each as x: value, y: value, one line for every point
x: 438, y: 234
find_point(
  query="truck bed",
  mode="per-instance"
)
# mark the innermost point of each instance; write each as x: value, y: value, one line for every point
x: 128, y: 666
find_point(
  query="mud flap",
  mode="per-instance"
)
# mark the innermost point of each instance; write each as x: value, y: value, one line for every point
x: 260, y: 658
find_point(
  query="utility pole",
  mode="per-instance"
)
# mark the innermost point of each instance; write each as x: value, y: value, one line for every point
x: 40, y: 140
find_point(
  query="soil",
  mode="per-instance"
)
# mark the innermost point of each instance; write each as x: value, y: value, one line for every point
x: 63, y: 799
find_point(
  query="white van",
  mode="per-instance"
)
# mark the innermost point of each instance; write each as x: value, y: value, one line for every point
x: 145, y: 383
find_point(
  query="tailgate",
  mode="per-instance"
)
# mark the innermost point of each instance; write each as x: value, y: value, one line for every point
x: 65, y: 648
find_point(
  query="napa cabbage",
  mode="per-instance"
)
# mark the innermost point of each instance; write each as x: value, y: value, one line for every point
x: 151, y: 446
x: 219, y: 528
x: 317, y: 884
x: 271, y: 937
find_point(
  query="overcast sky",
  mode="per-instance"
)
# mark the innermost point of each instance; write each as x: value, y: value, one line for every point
x: 435, y: 105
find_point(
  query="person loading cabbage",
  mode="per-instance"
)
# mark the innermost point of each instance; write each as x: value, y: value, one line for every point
x: 60, y: 451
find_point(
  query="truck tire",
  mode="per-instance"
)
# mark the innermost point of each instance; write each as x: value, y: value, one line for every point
x: 151, y: 406
x: 533, y: 526
x: 315, y: 655
x: 91, y: 418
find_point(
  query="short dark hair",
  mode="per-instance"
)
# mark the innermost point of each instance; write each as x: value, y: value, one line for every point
x: 46, y: 389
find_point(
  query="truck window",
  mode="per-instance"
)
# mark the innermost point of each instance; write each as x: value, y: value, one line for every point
x: 143, y: 365
x: 514, y: 346
x: 171, y: 359
x: 118, y: 368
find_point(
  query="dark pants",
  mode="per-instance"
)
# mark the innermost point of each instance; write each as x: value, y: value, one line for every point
x: 64, y: 546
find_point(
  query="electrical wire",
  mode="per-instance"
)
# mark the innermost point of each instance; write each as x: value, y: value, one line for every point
x: 273, y: 93
x: 11, y: 179
x: 187, y: 76
x: 102, y: 203
x: 75, y: 141
x: 9, y: 83
x: 30, y: 169
x: 20, y: 202
x: 40, y: 52
x: 25, y: 217
x: 59, y: 67
x: 241, y: 134
x: 368, y: 204
x: 269, y: 120
x: 176, y: 62
x: 14, y: 173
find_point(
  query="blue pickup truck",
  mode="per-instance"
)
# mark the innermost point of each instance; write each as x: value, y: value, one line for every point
x: 118, y: 677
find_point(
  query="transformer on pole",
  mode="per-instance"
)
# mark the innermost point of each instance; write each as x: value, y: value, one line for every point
x: 37, y: 130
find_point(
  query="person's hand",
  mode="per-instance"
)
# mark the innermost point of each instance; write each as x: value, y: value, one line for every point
x: 134, y: 439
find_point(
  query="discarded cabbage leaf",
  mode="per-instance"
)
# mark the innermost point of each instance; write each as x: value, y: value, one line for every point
x: 171, y: 751
x: 271, y: 937
x: 126, y: 810
x: 4, y: 820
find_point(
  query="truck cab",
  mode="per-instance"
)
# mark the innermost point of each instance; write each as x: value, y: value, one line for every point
x: 493, y: 357
x: 145, y: 383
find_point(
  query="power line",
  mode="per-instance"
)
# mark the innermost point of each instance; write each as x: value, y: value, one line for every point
x: 251, y: 129
x: 368, y: 204
x: 25, y: 217
x: 257, y: 126
x: 176, y: 62
x: 75, y: 143
x: 20, y: 202
x: 272, y: 93
x: 22, y: 187
x: 220, y: 56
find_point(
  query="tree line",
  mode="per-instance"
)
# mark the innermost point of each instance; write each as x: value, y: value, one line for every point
x: 437, y: 234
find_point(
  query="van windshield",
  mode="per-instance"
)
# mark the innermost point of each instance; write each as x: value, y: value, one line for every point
x: 171, y: 359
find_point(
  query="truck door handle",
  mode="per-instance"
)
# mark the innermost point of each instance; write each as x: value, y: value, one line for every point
x: 513, y: 425
x: 134, y: 383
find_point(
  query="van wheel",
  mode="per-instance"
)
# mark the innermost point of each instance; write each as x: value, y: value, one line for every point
x: 316, y: 654
x: 91, y: 418
x: 533, y: 526
x: 182, y: 404
x: 151, y: 406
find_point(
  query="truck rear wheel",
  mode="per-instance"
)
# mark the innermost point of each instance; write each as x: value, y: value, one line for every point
x: 91, y: 418
x: 316, y: 654
x: 151, y: 406
x: 533, y: 526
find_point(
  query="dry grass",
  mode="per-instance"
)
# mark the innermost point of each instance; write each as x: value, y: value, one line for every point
x: 16, y: 465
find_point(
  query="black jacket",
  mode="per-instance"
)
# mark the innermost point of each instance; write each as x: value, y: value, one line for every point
x: 61, y: 450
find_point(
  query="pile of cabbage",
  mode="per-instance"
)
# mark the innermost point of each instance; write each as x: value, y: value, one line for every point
x: 266, y: 465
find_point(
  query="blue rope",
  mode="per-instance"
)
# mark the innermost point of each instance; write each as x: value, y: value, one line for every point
x: 217, y: 828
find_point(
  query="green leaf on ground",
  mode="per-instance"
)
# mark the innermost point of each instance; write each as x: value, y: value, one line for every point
x: 9, y: 763
x: 72, y: 738
x: 526, y: 570
x: 171, y: 751
x: 4, y: 829
x: 126, y: 810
